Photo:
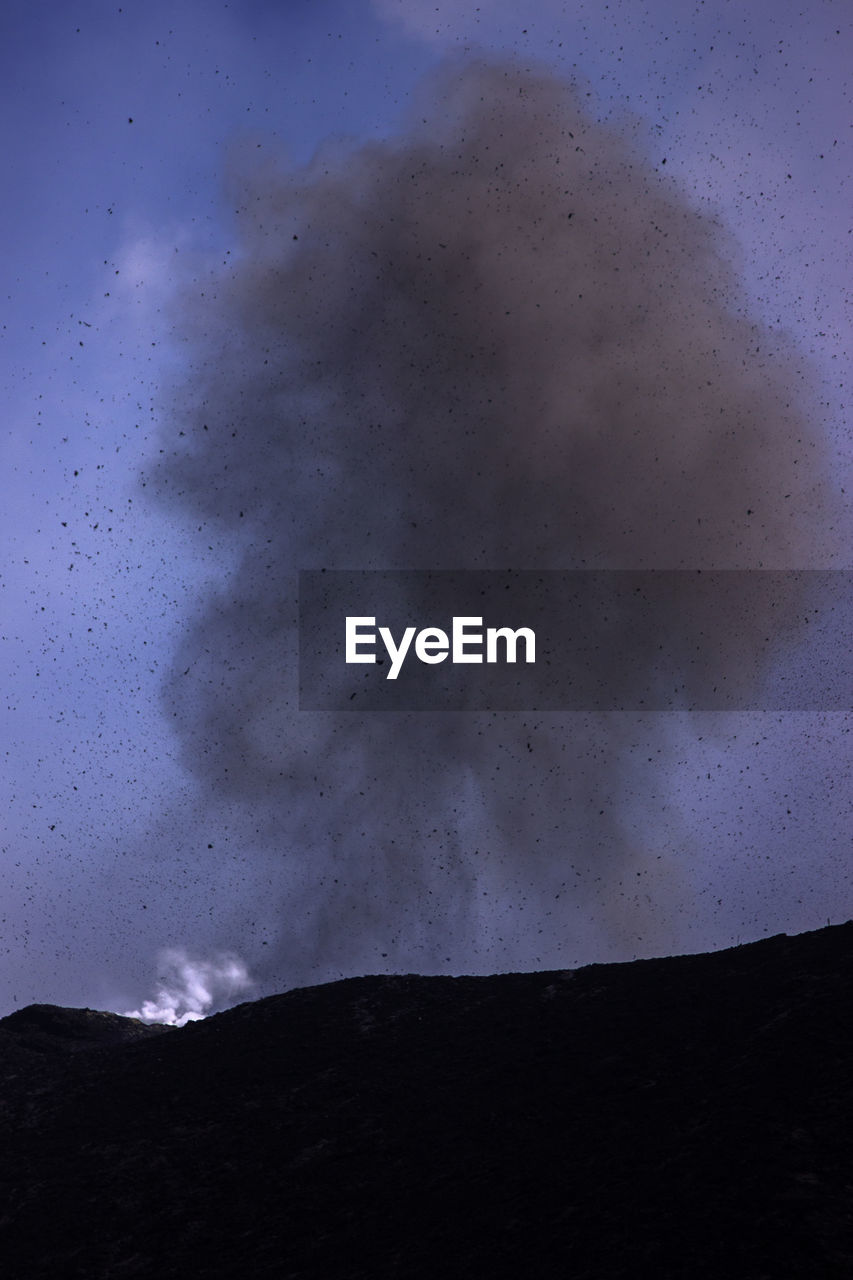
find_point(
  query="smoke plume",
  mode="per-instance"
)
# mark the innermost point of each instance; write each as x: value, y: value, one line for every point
x: 189, y: 989
x: 499, y: 340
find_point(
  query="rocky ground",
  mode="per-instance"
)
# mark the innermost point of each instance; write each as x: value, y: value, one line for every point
x: 687, y: 1117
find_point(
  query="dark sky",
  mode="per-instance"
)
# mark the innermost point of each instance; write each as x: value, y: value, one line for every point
x: 362, y: 286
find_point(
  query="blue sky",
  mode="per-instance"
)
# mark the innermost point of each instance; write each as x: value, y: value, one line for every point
x: 119, y: 127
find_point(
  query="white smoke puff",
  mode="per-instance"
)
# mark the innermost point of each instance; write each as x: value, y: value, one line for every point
x: 189, y: 989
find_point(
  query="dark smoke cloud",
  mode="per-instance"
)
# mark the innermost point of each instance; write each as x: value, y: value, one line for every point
x: 500, y: 340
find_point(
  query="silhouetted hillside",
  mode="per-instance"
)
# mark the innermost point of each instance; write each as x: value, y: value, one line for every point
x: 686, y: 1117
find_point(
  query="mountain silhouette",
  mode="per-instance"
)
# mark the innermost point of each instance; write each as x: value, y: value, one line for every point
x: 681, y: 1117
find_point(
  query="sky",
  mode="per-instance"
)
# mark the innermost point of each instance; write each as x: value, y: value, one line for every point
x: 193, y: 191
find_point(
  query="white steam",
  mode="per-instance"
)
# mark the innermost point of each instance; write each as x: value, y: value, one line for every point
x: 190, y: 989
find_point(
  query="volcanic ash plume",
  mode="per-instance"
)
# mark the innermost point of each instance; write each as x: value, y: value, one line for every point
x: 498, y: 341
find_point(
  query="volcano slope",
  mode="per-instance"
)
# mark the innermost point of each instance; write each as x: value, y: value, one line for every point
x: 690, y: 1116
